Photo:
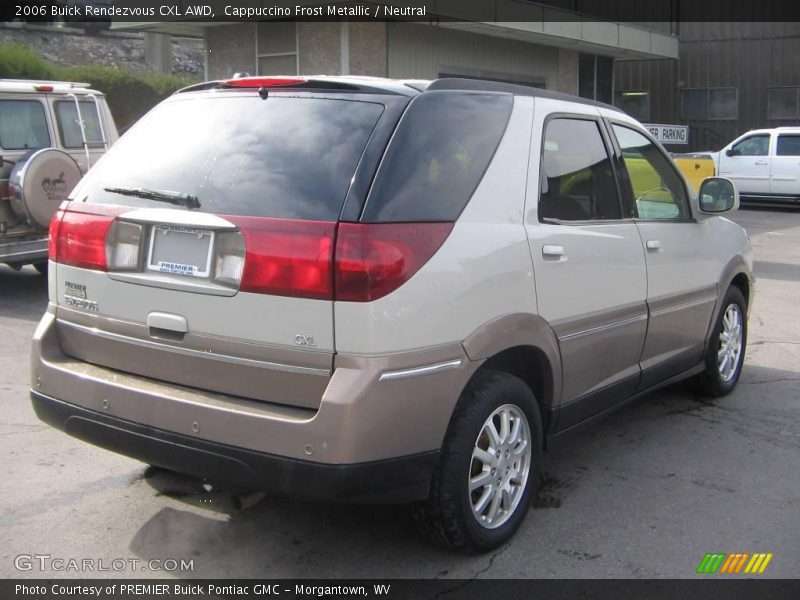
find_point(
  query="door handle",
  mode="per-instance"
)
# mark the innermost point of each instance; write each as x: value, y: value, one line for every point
x: 550, y: 250
x: 761, y: 162
x: 653, y: 245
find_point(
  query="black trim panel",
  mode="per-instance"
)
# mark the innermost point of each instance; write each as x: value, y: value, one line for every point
x: 396, y: 480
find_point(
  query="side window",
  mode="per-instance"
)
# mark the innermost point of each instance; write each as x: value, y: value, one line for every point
x: 789, y: 145
x: 437, y: 157
x: 23, y: 125
x: 755, y: 145
x: 577, y: 183
x: 69, y: 130
x: 658, y: 190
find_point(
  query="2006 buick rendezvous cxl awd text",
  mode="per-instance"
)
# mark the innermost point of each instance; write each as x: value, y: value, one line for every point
x: 369, y: 290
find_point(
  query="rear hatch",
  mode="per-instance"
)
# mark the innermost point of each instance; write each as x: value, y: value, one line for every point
x: 198, y: 251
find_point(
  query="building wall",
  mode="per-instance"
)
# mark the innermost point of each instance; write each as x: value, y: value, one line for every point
x: 368, y: 48
x: 231, y: 49
x: 319, y: 48
x: 750, y: 57
x: 423, y: 51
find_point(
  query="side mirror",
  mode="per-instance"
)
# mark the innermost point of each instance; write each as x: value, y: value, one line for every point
x: 717, y: 195
x: 729, y: 152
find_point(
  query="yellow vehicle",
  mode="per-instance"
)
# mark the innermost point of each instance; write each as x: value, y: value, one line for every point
x: 695, y: 168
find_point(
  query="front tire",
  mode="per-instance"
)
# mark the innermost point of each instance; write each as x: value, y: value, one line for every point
x: 489, y: 466
x: 726, y: 348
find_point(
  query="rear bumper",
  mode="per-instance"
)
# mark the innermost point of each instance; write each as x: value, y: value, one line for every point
x: 403, y: 479
x: 23, y: 251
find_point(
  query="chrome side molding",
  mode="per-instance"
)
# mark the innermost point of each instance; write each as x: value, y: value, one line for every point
x: 419, y: 371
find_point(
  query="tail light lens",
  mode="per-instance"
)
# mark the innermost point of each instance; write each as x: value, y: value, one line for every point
x: 287, y: 257
x: 123, y: 246
x: 229, y: 259
x: 374, y: 259
x: 78, y: 235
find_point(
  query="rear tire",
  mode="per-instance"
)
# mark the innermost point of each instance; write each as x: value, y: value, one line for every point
x: 41, y: 267
x: 488, y: 468
x: 726, y: 348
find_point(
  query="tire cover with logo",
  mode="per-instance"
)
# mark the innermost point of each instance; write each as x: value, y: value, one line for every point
x: 40, y: 182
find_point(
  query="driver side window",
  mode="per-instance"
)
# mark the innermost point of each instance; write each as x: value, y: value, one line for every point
x: 658, y: 191
x: 755, y: 145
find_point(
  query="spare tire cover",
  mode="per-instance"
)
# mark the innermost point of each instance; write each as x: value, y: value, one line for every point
x: 40, y: 182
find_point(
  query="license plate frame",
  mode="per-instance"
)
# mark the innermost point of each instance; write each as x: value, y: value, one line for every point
x: 193, y: 268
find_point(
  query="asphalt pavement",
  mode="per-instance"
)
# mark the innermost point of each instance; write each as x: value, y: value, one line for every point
x: 645, y: 493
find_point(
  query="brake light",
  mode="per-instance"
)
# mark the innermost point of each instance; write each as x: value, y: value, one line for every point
x: 374, y: 259
x: 259, y: 82
x: 78, y: 235
x: 286, y: 257
x: 43, y: 88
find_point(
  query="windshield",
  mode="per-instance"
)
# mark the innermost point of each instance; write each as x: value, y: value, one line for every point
x: 285, y: 157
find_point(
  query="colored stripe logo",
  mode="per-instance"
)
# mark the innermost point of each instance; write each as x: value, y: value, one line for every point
x: 734, y: 563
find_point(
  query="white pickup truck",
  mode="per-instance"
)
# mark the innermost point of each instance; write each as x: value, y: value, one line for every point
x: 764, y: 164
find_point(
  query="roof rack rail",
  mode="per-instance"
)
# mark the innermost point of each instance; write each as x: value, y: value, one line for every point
x: 70, y: 84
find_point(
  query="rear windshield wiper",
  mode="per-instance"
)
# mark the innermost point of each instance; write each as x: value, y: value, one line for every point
x: 187, y: 200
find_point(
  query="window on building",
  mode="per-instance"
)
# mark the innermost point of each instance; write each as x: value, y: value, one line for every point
x: 709, y: 103
x: 789, y: 145
x: 596, y: 77
x: 782, y: 103
x: 23, y: 125
x: 276, y: 48
x: 577, y: 183
x: 636, y: 103
x: 69, y: 129
x: 657, y: 189
x: 722, y: 103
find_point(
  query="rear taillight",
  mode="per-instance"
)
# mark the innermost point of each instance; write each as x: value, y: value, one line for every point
x: 78, y: 235
x: 374, y: 259
x: 287, y: 257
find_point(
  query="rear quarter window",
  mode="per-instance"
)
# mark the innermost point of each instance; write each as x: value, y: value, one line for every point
x: 437, y: 156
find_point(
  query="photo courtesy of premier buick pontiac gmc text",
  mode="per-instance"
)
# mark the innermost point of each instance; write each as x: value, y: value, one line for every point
x: 372, y: 290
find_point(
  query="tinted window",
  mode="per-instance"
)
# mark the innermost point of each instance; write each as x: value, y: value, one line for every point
x: 658, y: 191
x: 755, y: 145
x: 577, y: 181
x: 437, y: 157
x: 23, y: 125
x: 69, y: 128
x: 279, y: 157
x: 789, y: 145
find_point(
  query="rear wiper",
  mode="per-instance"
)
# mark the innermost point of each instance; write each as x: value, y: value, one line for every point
x: 187, y: 200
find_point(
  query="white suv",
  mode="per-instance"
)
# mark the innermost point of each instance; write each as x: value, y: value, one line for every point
x: 51, y: 132
x: 361, y: 289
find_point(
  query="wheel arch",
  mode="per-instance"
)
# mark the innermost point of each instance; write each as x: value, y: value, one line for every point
x: 525, y: 346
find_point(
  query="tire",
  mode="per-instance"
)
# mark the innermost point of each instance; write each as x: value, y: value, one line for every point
x: 720, y: 377
x: 448, y: 517
x: 41, y: 267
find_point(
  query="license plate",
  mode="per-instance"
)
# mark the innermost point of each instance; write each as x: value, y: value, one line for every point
x: 180, y: 250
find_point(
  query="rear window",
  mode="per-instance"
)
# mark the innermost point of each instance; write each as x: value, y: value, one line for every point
x: 69, y: 128
x: 23, y: 125
x: 437, y: 157
x: 284, y: 157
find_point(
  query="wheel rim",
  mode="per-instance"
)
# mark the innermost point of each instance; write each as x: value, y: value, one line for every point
x: 501, y: 462
x: 730, y: 342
